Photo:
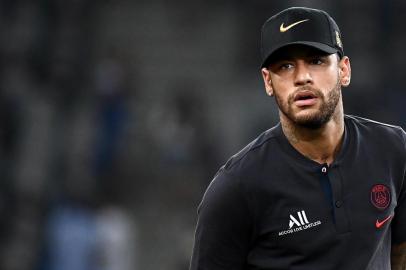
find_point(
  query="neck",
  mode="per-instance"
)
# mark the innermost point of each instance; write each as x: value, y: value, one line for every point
x: 320, y: 145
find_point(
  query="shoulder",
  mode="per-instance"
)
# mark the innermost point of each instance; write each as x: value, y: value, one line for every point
x: 237, y: 174
x: 377, y: 130
x: 249, y: 157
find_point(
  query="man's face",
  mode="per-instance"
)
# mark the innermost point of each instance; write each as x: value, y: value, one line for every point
x: 306, y: 84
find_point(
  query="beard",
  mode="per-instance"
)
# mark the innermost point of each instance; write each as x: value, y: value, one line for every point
x: 320, y: 117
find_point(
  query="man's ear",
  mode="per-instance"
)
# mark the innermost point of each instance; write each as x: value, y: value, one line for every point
x: 345, y: 71
x: 266, y: 76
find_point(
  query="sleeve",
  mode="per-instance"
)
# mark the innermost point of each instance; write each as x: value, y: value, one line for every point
x: 224, y: 227
x: 399, y: 221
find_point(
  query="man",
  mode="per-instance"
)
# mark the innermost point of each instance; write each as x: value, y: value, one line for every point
x: 320, y: 190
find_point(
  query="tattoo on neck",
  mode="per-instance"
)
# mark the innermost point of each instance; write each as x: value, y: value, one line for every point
x: 289, y: 132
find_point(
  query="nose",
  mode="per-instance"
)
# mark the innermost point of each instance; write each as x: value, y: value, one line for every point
x: 302, y: 74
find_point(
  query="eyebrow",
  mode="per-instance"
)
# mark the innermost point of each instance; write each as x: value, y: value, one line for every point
x: 290, y: 57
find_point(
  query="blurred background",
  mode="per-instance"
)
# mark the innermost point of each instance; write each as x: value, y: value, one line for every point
x: 115, y: 115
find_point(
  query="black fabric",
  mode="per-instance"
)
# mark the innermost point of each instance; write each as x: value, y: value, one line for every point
x: 266, y: 208
x: 399, y: 221
x: 326, y: 187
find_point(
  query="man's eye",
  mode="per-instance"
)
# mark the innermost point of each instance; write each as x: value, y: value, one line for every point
x: 317, y: 61
x: 286, y: 66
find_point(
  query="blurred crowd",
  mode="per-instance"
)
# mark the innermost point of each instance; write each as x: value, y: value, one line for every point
x: 115, y: 115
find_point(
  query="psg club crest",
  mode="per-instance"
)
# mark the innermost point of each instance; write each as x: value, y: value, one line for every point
x: 380, y: 196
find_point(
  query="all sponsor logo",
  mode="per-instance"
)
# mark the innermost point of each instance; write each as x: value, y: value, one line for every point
x: 299, y: 222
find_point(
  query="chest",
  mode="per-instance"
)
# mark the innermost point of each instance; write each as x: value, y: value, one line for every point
x: 350, y: 206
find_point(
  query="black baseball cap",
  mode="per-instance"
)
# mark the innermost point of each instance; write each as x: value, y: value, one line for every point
x: 300, y: 25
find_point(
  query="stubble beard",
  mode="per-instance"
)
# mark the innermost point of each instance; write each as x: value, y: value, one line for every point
x: 316, y: 119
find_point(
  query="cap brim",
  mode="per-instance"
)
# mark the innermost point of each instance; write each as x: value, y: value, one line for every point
x: 320, y: 46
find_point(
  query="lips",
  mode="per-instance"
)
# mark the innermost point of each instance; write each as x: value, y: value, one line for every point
x: 305, y: 98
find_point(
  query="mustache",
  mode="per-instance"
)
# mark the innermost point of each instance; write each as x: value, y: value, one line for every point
x: 314, y: 91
